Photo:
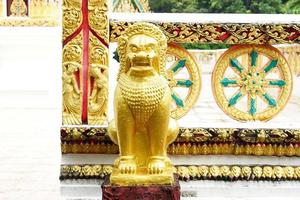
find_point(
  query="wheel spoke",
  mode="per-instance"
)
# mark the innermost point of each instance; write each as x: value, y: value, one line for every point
x: 271, y: 65
x: 235, y: 64
x: 269, y: 99
x: 235, y: 98
x: 178, y: 65
x: 179, y: 102
x: 184, y: 83
x: 275, y: 83
x: 253, y: 106
x: 254, y: 56
x: 226, y: 82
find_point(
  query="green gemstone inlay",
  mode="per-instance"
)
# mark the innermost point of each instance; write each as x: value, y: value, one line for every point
x: 225, y: 82
x: 235, y: 63
x: 177, y: 100
x: 272, y: 65
x: 186, y: 83
x: 252, y: 110
x: 254, y: 56
x: 271, y: 101
x: 179, y: 65
x: 279, y: 83
x: 235, y: 99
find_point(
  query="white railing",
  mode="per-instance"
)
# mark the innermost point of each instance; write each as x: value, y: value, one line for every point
x: 208, y: 58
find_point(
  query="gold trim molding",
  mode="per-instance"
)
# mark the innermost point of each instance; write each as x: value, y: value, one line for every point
x: 220, y: 33
x: 196, y: 172
x: 30, y: 22
x: 194, y: 141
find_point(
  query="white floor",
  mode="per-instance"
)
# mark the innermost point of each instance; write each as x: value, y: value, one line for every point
x: 30, y: 118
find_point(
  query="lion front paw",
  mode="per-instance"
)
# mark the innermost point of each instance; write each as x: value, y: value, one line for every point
x: 127, y: 165
x: 156, y: 165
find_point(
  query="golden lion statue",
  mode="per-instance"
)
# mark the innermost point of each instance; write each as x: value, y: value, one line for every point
x: 142, y: 127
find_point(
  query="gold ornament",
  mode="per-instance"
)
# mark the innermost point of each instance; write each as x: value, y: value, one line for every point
x: 98, y: 18
x: 259, y: 73
x: 72, y: 16
x: 142, y: 127
x: 1, y: 9
x: 72, y: 64
x: 190, y: 85
x: 18, y: 8
x: 220, y: 33
x: 99, y: 75
x: 29, y: 22
x: 192, y: 172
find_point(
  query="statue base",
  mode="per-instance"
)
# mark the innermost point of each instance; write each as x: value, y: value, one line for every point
x: 149, y: 192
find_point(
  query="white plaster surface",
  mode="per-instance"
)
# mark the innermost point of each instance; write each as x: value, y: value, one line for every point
x: 206, y: 112
x: 30, y: 96
x: 188, y: 159
x: 30, y: 118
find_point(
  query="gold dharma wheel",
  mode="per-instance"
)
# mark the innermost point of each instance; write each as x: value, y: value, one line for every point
x: 252, y: 82
x: 183, y: 74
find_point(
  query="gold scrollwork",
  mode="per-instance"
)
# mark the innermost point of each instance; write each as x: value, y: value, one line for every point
x: 99, y: 82
x: 194, y: 141
x: 72, y: 16
x: 283, y: 33
x: 98, y: 18
x: 72, y: 64
x: 220, y: 33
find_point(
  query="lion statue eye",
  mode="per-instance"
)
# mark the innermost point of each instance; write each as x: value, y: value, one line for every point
x: 134, y: 49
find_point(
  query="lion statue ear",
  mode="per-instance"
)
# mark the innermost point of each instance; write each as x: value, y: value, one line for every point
x: 122, y: 43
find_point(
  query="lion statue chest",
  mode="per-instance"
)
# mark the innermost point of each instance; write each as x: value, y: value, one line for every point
x: 143, y: 96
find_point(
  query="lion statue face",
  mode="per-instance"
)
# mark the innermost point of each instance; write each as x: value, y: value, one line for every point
x: 142, y: 46
x: 142, y: 53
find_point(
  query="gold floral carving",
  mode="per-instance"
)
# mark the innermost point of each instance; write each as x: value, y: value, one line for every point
x: 18, y: 8
x: 195, y: 141
x: 192, y: 149
x: 220, y: 33
x: 196, y: 172
x: 72, y: 65
x: 98, y: 72
x: 72, y: 16
x: 98, y: 18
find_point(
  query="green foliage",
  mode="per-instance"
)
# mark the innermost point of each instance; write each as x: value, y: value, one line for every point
x: 293, y: 6
x: 162, y: 5
x: 204, y: 46
x: 225, y: 6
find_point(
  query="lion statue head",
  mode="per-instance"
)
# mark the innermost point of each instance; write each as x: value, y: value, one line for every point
x: 142, y: 44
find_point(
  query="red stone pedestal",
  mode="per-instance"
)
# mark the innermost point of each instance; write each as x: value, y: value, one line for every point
x: 151, y: 192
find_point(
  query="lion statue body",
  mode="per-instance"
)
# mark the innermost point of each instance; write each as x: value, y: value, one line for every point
x: 142, y: 126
